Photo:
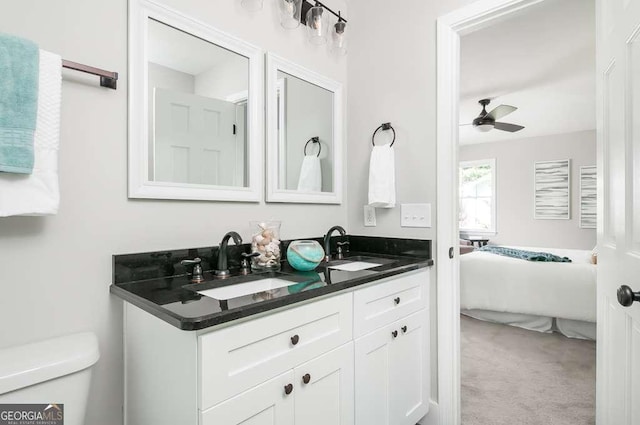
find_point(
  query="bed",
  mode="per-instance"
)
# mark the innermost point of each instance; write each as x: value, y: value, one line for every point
x: 540, y: 296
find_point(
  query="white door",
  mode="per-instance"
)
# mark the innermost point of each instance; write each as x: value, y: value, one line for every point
x: 194, y: 139
x: 324, y: 389
x: 266, y: 404
x: 618, y: 70
x: 409, y: 373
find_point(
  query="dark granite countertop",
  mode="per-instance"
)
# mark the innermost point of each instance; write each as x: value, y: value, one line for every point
x: 174, y: 299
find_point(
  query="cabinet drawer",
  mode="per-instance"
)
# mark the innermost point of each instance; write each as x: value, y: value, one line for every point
x: 384, y: 303
x: 239, y: 357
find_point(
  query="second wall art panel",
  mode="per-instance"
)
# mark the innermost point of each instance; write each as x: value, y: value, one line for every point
x: 552, y: 190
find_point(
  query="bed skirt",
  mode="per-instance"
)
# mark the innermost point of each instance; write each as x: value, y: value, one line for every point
x: 569, y: 328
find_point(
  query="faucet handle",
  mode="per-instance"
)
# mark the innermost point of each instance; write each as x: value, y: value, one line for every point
x: 340, y: 250
x: 189, y: 262
x: 197, y: 276
x: 245, y: 267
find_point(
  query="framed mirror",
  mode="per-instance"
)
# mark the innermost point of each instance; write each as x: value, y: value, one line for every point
x: 304, y: 135
x: 195, y: 109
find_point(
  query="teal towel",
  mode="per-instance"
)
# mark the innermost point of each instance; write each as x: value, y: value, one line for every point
x: 19, y: 75
x: 525, y: 255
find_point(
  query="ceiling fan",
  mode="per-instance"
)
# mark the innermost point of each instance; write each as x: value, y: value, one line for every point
x: 486, y: 121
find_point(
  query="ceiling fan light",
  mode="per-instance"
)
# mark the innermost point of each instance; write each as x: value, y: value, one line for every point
x: 483, y: 128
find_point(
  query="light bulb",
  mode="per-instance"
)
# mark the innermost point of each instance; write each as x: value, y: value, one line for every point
x: 290, y: 13
x: 339, y: 38
x: 317, y: 23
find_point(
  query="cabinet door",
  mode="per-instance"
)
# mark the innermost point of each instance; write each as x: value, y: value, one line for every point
x: 372, y: 367
x: 324, y: 389
x: 409, y: 377
x: 265, y: 404
x: 392, y: 373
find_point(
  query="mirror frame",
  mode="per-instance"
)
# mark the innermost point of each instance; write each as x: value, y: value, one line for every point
x: 140, y: 11
x: 274, y: 194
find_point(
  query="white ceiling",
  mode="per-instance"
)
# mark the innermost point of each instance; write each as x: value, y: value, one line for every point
x: 541, y: 61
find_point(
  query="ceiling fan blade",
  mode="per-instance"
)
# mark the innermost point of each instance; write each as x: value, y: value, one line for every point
x: 461, y: 125
x: 501, y: 111
x: 512, y: 128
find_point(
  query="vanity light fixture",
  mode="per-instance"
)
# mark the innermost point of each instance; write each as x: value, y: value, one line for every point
x: 316, y: 18
x: 317, y: 24
x: 251, y: 5
x: 290, y: 13
x: 339, y: 37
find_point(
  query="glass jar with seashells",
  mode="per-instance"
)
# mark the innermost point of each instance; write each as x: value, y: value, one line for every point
x: 265, y: 240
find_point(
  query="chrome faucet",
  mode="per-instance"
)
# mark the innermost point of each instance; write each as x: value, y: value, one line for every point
x: 223, y: 270
x: 327, y: 241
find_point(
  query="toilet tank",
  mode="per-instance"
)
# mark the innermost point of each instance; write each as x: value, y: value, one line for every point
x: 55, y: 374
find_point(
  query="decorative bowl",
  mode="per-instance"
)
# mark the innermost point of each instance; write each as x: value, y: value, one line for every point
x: 304, y: 255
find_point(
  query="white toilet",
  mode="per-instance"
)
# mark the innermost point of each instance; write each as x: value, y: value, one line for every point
x: 55, y: 371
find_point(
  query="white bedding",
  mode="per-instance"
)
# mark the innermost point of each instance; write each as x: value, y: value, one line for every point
x: 562, y: 290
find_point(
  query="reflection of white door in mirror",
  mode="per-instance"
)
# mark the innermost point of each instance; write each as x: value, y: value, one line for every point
x: 195, y: 102
x: 194, y: 140
x: 304, y: 135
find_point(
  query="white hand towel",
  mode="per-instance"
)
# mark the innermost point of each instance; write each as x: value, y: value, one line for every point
x: 310, y: 175
x: 38, y: 193
x: 382, y: 177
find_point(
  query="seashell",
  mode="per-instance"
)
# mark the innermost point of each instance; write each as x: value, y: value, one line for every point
x: 268, y: 233
x: 265, y: 241
x: 258, y: 239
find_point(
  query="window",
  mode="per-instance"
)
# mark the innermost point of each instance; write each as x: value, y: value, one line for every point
x: 478, y: 196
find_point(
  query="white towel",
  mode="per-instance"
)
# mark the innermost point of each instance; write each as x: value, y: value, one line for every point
x: 382, y: 177
x: 310, y: 175
x: 38, y: 193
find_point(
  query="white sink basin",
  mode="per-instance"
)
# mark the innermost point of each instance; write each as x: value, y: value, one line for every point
x: 241, y: 289
x: 354, y: 266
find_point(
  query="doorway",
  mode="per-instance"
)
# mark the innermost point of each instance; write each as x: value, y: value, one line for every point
x: 460, y: 23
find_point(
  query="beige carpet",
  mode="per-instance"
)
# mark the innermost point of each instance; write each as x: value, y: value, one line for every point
x: 511, y: 376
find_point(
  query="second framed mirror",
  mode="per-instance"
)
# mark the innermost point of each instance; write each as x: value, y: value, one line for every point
x: 304, y: 135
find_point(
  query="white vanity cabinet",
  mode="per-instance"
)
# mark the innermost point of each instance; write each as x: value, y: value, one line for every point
x: 392, y: 361
x: 332, y: 361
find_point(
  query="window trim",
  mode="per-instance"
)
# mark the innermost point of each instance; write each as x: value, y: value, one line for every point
x: 492, y: 230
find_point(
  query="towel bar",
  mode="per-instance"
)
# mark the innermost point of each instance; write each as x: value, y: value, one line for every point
x: 314, y: 140
x: 384, y: 126
x: 107, y: 78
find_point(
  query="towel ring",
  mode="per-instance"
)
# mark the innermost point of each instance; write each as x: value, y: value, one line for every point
x: 384, y: 126
x: 314, y: 140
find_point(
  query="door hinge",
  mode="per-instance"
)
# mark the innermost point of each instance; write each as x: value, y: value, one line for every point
x: 451, y: 252
x: 234, y: 129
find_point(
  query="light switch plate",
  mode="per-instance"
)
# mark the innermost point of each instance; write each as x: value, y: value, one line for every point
x: 369, y: 216
x: 415, y: 215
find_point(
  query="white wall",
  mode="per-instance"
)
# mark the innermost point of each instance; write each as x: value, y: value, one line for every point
x: 55, y: 271
x: 392, y: 77
x: 515, y: 191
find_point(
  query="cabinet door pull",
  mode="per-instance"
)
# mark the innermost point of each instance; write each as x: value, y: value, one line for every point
x: 396, y: 300
x: 404, y: 329
x: 288, y: 389
x: 306, y: 378
x: 394, y: 333
x: 295, y: 339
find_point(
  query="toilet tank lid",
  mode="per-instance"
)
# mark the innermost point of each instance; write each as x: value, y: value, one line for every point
x: 37, y: 362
